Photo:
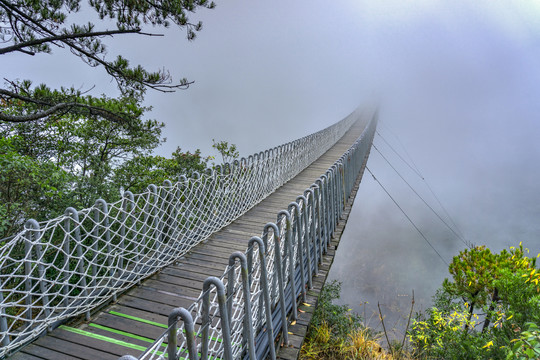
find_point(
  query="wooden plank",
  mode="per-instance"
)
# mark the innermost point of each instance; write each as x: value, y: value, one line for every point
x: 177, y: 281
x: 130, y: 326
x: 241, y: 239
x: 248, y: 228
x: 220, y: 255
x: 270, y: 215
x: 191, y: 272
x: 281, y: 202
x: 166, y: 287
x: 204, y: 257
x: 239, y: 246
x: 193, y: 261
x: 161, y: 297
x: 148, y: 305
x: 142, y: 311
x: 33, y: 352
x: 71, y: 349
x: 115, y: 334
x: 108, y: 349
x: 219, y: 240
x: 241, y: 233
x: 256, y: 222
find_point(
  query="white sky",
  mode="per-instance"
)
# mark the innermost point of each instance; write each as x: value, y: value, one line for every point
x: 268, y: 72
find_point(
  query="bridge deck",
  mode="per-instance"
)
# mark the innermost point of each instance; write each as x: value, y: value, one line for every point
x: 140, y: 315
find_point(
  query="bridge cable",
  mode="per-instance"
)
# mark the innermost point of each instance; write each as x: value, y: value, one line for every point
x: 407, y: 216
x: 468, y: 244
x: 417, y: 171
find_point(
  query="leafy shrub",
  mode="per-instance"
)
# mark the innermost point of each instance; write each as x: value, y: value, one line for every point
x: 339, y: 318
x: 337, y: 333
x: 482, y: 309
x: 528, y: 345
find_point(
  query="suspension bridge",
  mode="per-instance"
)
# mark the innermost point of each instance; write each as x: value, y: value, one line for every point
x: 221, y: 265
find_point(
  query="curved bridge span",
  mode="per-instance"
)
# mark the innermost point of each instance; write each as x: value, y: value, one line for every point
x: 212, y: 267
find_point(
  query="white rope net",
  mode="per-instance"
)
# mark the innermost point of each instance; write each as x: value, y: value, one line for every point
x: 69, y: 265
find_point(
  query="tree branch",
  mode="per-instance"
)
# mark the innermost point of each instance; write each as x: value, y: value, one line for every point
x: 71, y: 36
x: 26, y: 19
x: 92, y: 110
x: 53, y: 108
x: 31, y: 53
x: 48, y: 35
x: 23, y: 98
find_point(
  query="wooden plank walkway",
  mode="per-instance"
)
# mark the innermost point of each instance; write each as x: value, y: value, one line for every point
x: 131, y: 324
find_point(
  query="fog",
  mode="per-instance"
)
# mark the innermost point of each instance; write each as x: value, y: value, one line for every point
x: 457, y: 83
x: 460, y: 97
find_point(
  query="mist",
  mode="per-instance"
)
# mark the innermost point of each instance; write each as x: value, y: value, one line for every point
x: 460, y: 106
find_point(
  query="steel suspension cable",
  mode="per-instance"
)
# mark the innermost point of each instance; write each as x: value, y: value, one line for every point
x: 468, y: 244
x: 407, y: 216
x: 417, y: 171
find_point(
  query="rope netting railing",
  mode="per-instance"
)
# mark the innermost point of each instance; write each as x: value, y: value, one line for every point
x: 241, y: 313
x: 67, y: 266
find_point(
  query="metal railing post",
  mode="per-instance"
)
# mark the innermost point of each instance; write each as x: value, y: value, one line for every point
x: 28, y: 272
x: 248, y: 321
x: 305, y: 238
x: 331, y: 204
x: 110, y: 254
x: 318, y: 224
x: 65, y: 265
x: 273, y: 285
x: 34, y: 225
x: 311, y: 215
x: 294, y: 210
x: 278, y: 267
x: 4, y: 336
x: 225, y: 325
x: 324, y: 211
x: 174, y: 316
x: 292, y: 260
x: 74, y: 215
x: 265, y: 293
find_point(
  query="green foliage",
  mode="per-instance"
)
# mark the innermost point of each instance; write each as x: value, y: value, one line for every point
x: 88, y: 148
x: 443, y: 335
x: 337, y: 333
x: 139, y: 172
x: 22, y: 99
x: 227, y: 151
x: 185, y: 163
x: 527, y: 346
x: 29, y: 188
x: 472, y: 275
x: 338, y: 317
x: 483, y: 308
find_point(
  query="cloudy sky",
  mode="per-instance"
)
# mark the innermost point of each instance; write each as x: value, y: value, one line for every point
x: 458, y: 84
